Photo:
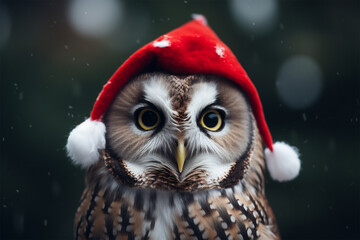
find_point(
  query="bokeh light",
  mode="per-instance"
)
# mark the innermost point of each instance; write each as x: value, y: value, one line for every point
x: 95, y: 18
x: 5, y: 26
x: 299, y: 82
x: 255, y: 15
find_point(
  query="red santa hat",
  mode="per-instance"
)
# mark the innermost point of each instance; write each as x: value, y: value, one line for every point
x: 190, y: 49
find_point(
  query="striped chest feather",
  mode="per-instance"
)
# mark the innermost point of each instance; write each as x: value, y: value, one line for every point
x: 124, y: 213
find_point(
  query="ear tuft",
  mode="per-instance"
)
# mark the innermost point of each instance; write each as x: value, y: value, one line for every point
x: 85, y: 141
x: 283, y: 162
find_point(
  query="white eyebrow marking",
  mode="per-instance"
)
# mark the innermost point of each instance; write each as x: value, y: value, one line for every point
x: 156, y: 92
x: 206, y: 94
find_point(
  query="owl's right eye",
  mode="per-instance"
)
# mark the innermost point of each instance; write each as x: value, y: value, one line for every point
x: 147, y: 119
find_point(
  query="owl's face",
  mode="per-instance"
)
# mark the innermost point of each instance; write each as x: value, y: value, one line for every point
x: 182, y: 133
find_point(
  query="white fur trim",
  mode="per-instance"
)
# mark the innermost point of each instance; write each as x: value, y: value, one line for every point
x: 85, y: 141
x: 283, y: 163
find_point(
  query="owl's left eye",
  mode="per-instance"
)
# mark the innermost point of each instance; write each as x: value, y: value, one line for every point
x: 147, y: 119
x: 212, y: 120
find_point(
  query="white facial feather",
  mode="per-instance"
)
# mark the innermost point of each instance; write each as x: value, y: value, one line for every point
x: 150, y: 161
x: 205, y: 94
x: 156, y: 91
x: 211, y: 163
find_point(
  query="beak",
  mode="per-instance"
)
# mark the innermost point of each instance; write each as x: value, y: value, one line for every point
x: 180, y: 154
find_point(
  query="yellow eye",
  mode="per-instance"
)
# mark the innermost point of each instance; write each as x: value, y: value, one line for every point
x: 148, y: 119
x: 211, y: 120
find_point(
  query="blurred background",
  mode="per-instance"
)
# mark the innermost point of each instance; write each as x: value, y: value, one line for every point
x: 303, y: 57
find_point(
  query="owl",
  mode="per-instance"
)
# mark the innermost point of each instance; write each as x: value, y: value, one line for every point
x: 174, y: 150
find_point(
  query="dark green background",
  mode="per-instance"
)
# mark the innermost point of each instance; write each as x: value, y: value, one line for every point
x: 45, y: 92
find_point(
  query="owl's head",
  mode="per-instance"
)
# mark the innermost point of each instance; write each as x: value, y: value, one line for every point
x: 196, y: 127
x: 179, y: 132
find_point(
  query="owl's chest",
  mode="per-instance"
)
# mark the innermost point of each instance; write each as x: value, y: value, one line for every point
x: 165, y: 215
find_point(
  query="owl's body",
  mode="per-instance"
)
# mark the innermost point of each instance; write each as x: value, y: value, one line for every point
x: 141, y: 189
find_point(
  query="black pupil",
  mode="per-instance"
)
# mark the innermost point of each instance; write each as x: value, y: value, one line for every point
x: 211, y: 119
x: 149, y: 118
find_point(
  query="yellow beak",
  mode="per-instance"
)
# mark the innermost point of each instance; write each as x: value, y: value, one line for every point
x: 180, y: 154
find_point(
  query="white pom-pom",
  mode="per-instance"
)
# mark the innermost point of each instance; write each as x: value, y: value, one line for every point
x: 283, y: 163
x: 199, y: 17
x: 85, y: 141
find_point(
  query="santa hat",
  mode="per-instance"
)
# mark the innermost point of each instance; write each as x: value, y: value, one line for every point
x: 190, y: 49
